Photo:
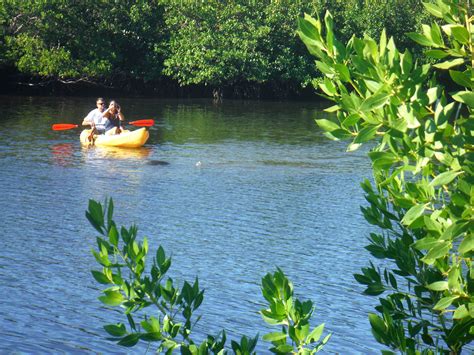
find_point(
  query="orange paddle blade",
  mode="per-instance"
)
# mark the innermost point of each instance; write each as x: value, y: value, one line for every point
x: 143, y: 123
x: 63, y: 126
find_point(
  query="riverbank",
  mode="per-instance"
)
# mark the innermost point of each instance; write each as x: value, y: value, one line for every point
x: 15, y: 83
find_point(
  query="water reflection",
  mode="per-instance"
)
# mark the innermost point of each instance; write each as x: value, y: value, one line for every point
x: 116, y: 153
x: 62, y: 154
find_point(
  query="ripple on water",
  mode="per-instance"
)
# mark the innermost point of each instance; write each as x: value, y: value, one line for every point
x: 266, y: 193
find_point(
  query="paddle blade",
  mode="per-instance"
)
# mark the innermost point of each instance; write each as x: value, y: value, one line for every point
x: 63, y: 126
x: 143, y: 123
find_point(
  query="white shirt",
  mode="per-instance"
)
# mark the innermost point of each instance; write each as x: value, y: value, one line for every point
x: 96, y: 116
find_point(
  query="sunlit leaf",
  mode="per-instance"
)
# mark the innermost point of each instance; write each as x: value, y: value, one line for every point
x: 100, y: 277
x: 439, y: 251
x: 461, y: 312
x: 438, y: 286
x: 445, y: 302
x: 112, y: 298
x: 413, y: 213
x: 460, y: 33
x: 375, y: 101
x: 426, y: 243
x: 366, y: 134
x: 444, y: 178
x: 420, y: 39
x: 327, y: 125
x: 433, y: 9
x: 466, y: 97
x: 467, y: 245
x: 450, y: 63
x: 343, y: 72
x: 315, y: 334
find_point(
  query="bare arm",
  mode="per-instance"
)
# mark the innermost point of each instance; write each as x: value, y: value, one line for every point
x: 87, y: 121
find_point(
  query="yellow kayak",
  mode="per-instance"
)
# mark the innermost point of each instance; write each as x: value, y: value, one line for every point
x: 126, y: 139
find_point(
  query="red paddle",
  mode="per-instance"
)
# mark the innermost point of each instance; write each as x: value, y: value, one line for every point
x: 65, y: 126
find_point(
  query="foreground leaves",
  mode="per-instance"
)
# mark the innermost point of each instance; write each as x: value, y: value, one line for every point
x: 170, y: 326
x: 421, y: 127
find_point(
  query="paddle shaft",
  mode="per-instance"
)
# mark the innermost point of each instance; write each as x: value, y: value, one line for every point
x: 66, y: 126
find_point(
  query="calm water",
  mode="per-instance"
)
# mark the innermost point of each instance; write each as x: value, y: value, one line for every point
x: 249, y: 186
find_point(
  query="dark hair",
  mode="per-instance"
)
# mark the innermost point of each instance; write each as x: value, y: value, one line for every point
x: 100, y: 99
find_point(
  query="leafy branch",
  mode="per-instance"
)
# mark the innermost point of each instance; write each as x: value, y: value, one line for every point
x: 170, y: 326
x: 421, y: 119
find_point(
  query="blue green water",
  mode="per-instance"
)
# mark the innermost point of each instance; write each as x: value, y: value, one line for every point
x: 231, y: 191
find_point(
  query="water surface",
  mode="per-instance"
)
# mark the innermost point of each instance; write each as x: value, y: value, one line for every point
x: 231, y: 191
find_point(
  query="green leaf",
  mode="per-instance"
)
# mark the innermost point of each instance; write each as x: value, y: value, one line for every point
x: 310, y: 27
x: 439, y: 251
x: 436, y: 35
x: 366, y: 134
x: 160, y: 255
x: 116, y: 330
x: 413, y: 213
x: 460, y: 33
x: 377, y: 324
x: 467, y: 245
x: 343, y: 72
x: 444, y: 178
x: 436, y: 53
x: 324, y: 68
x: 374, y: 289
x: 444, y: 303
x: 328, y: 87
x: 332, y: 108
x: 284, y: 348
x: 275, y: 336
x: 353, y: 147
x: 315, y: 334
x: 373, y: 86
x: 461, y: 312
x: 461, y: 78
x: 327, y: 125
x: 112, y: 298
x: 450, y: 63
x: 110, y: 211
x: 100, y: 277
x: 466, y: 97
x: 438, y: 286
x: 382, y: 160
x: 95, y: 215
x: 375, y: 101
x: 433, y: 9
x: 350, y: 120
x: 130, y: 340
x: 113, y: 236
x: 426, y: 243
x: 420, y: 39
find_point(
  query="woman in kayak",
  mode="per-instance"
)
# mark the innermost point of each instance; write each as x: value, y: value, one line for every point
x: 114, y: 118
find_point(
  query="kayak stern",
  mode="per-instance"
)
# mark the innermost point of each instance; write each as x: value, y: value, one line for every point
x: 126, y: 139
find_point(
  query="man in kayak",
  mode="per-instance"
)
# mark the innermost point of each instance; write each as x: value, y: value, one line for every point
x: 95, y: 118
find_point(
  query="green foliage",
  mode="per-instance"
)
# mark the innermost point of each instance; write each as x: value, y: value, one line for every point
x: 421, y: 119
x: 362, y: 17
x: 123, y: 261
x: 224, y: 43
x: 293, y: 316
x: 86, y: 40
x: 237, y: 44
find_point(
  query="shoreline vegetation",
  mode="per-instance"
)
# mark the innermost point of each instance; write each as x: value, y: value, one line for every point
x: 169, y: 48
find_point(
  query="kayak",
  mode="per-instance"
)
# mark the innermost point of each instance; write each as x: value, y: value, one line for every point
x: 126, y: 139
